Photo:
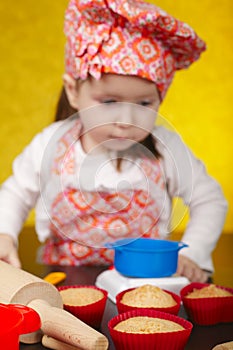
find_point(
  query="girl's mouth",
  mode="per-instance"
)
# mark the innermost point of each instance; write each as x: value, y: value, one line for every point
x: 119, y: 137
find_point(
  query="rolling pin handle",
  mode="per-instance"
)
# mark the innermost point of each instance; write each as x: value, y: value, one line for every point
x: 55, y: 344
x: 63, y: 326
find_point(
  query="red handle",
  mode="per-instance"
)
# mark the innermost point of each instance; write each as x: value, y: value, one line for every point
x: 31, y: 320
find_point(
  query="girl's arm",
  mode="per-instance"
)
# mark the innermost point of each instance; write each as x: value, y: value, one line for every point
x: 207, y: 213
x: 187, y: 178
x: 19, y: 193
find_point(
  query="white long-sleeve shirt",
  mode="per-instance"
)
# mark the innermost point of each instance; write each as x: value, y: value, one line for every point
x: 185, y: 177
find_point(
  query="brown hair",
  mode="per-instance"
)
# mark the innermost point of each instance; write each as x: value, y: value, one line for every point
x: 64, y: 111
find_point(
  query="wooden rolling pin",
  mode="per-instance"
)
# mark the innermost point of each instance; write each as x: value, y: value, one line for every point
x: 21, y: 287
x: 224, y: 346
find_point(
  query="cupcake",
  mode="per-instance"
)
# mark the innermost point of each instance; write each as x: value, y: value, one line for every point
x: 208, y: 304
x: 148, y: 297
x: 149, y: 329
x: 85, y: 302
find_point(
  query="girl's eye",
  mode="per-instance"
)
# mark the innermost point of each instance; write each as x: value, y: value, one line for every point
x: 109, y: 101
x: 145, y: 103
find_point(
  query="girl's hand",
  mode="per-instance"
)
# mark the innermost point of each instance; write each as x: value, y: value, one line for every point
x: 188, y: 268
x: 8, y: 251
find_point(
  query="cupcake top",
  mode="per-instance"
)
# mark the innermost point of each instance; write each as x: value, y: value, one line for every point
x: 147, y: 325
x: 148, y: 296
x: 211, y: 291
x: 80, y: 296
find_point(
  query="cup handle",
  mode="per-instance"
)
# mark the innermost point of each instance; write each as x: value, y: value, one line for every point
x: 182, y: 245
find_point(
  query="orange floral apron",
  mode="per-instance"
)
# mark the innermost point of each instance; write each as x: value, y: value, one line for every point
x: 82, y: 222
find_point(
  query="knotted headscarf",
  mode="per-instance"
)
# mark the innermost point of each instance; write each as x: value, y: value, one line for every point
x: 129, y: 37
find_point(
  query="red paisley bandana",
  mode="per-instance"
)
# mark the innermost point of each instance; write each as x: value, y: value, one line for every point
x: 129, y: 37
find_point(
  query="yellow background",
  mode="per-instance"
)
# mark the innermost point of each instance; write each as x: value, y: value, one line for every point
x: 198, y: 104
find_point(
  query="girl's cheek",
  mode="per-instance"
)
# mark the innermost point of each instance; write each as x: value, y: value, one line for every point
x: 146, y: 121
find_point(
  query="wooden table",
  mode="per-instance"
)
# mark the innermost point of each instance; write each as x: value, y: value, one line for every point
x: 202, y: 337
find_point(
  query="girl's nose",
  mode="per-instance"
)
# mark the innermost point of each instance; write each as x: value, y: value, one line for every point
x: 125, y: 115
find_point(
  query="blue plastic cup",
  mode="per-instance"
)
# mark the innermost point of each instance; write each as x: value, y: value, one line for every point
x: 146, y: 257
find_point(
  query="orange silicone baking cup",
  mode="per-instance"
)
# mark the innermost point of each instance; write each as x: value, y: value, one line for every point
x: 207, y: 311
x: 159, y: 341
x: 172, y: 309
x: 90, y: 314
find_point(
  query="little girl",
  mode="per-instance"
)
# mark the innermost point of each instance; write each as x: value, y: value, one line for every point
x: 107, y: 172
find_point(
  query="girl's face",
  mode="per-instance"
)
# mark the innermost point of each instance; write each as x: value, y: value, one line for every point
x: 116, y: 111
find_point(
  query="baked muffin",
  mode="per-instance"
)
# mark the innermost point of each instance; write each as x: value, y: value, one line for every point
x: 210, y: 291
x: 80, y: 296
x: 148, y: 297
x: 207, y: 304
x: 149, y: 329
x: 147, y: 325
x: 85, y: 302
